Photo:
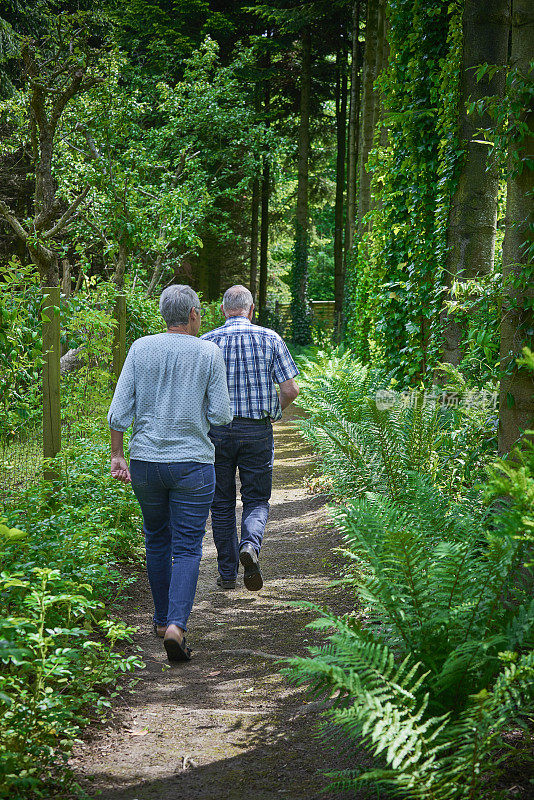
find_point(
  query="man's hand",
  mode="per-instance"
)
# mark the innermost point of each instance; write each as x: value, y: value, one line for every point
x: 288, y: 392
x: 119, y: 469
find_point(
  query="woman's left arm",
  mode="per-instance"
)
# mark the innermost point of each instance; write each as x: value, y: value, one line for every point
x: 120, y: 417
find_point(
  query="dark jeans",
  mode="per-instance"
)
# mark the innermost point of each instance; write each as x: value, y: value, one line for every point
x: 175, y: 500
x: 247, y: 446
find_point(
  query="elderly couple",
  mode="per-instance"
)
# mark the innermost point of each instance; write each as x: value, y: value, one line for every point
x: 194, y: 402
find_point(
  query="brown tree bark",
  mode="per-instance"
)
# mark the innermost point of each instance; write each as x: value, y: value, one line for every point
x: 473, y: 214
x: 341, y: 132
x: 367, y: 112
x: 516, y: 401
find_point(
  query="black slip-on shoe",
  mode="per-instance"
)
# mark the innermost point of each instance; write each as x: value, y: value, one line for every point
x: 249, y: 558
x: 226, y: 583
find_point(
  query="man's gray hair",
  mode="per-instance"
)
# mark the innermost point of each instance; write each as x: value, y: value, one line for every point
x: 237, y: 298
x: 175, y: 304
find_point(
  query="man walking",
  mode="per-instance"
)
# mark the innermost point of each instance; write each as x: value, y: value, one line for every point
x: 256, y: 359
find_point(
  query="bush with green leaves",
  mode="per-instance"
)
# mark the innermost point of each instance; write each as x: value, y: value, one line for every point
x: 439, y: 662
x: 20, y: 351
x: 61, y: 547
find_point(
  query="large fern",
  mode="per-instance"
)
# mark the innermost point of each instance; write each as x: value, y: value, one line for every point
x: 385, y: 704
x: 444, y: 662
x: 367, y: 447
x: 445, y: 588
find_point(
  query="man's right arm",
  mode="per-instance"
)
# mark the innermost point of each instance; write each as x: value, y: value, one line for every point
x: 284, y: 373
x: 288, y: 392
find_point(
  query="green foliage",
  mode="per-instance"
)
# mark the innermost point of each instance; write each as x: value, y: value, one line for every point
x: 370, y: 436
x: 439, y: 664
x: 512, y: 480
x: 20, y: 351
x: 394, y: 283
x: 383, y: 704
x: 58, y: 655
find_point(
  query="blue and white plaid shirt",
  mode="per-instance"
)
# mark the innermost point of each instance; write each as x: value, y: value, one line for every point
x: 256, y: 358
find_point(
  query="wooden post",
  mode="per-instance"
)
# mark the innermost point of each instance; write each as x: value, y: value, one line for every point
x: 51, y: 378
x: 119, y: 338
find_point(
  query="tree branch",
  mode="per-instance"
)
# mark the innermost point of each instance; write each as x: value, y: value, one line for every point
x: 91, y: 145
x: 62, y: 221
x: 13, y: 222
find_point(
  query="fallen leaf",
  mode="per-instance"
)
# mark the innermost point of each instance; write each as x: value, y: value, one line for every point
x: 211, y: 674
x: 139, y: 732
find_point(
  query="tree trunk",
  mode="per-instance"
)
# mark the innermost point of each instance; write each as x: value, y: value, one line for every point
x: 516, y: 402
x: 473, y: 213
x: 255, y: 208
x: 368, y: 113
x: 66, y: 281
x: 353, y: 137
x: 300, y: 313
x: 265, y: 198
x: 341, y: 130
x: 264, y: 241
x: 120, y: 266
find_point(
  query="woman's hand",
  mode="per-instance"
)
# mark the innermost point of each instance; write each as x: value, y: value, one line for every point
x: 119, y: 469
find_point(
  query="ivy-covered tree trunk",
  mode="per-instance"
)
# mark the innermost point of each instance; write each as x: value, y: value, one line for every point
x: 341, y: 132
x: 381, y: 59
x: 353, y: 129
x: 300, y: 313
x: 516, y: 402
x: 367, y: 112
x: 473, y: 213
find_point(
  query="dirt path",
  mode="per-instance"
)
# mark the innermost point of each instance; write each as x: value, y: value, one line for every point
x: 227, y: 726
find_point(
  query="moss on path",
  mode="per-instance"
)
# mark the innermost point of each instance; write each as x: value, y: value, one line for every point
x: 227, y: 725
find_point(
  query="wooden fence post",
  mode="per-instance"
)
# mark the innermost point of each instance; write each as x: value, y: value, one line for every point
x: 51, y: 378
x: 119, y: 338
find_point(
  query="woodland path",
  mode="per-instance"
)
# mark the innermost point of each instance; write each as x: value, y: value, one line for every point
x: 227, y: 725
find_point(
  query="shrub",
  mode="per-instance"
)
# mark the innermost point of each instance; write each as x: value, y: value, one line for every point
x: 60, y: 554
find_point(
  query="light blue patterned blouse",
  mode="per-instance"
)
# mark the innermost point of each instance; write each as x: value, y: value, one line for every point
x: 173, y: 387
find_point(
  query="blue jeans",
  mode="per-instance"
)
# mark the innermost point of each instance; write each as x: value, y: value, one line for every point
x: 248, y: 447
x: 175, y: 500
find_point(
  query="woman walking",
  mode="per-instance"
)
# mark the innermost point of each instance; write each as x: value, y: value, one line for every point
x: 173, y: 387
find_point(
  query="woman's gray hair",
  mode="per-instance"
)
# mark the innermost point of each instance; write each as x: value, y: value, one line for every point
x: 237, y: 298
x: 175, y: 304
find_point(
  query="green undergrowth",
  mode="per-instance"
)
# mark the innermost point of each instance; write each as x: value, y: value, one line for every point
x: 434, y: 669
x: 62, y: 547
